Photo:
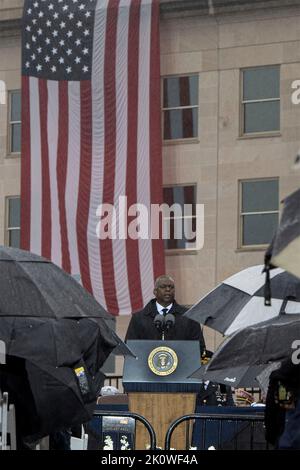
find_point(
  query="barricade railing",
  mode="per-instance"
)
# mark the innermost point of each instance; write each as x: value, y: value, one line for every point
x: 238, y: 423
x: 115, y: 380
x: 135, y: 416
x: 3, y: 420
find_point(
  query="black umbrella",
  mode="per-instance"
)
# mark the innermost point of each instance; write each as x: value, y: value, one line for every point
x: 33, y: 286
x: 53, y: 328
x: 257, y: 345
x: 285, y: 248
x: 60, y: 377
x: 239, y: 300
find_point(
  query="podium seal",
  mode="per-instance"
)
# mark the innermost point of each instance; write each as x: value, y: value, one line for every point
x: 162, y: 360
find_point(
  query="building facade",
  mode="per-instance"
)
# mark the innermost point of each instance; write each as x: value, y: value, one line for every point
x: 230, y: 128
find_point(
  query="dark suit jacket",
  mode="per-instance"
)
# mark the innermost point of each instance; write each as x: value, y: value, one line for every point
x: 289, y: 375
x: 141, y: 325
x: 211, y: 395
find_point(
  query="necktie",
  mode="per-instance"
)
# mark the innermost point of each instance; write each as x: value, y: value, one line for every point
x: 164, y: 311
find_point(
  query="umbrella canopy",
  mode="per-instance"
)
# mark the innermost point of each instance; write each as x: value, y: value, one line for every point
x: 58, y: 334
x: 60, y: 377
x: 244, y: 376
x: 55, y: 342
x: 285, y: 247
x: 46, y: 398
x: 261, y: 344
x: 33, y: 286
x: 239, y: 300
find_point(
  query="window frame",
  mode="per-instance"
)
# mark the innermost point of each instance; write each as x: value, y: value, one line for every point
x: 11, y: 123
x: 241, y: 214
x: 8, y: 229
x: 163, y: 110
x: 190, y: 250
x: 243, y: 102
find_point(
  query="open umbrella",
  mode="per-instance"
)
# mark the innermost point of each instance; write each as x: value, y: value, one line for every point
x: 257, y: 345
x: 49, y: 374
x: 239, y: 300
x: 285, y: 248
x: 58, y: 333
x: 31, y: 285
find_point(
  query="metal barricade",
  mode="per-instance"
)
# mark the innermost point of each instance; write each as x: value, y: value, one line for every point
x: 244, y: 425
x: 135, y: 416
x: 115, y: 380
x: 3, y: 420
x: 7, y: 424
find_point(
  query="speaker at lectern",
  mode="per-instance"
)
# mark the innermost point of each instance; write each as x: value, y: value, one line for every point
x: 158, y: 385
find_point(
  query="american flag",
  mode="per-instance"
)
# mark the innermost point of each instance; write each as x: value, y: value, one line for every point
x: 90, y: 134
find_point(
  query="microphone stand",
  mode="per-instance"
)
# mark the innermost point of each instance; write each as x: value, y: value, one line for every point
x: 159, y: 323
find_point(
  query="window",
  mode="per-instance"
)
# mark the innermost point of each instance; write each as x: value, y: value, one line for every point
x: 180, y: 221
x: 259, y: 211
x: 180, y: 107
x: 261, y: 100
x: 14, y: 121
x: 13, y: 221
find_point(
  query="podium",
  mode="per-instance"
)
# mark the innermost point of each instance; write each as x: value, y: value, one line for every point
x: 158, y: 386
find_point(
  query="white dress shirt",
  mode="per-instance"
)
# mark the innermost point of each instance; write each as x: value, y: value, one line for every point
x: 160, y: 308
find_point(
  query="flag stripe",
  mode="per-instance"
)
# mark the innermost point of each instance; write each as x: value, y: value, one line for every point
x: 25, y: 166
x: 73, y: 169
x: 52, y: 129
x: 36, y: 173
x: 46, y: 197
x: 132, y: 254
x: 143, y: 164
x: 155, y: 136
x: 109, y: 150
x: 98, y: 149
x: 119, y: 245
x: 62, y: 153
x: 84, y: 181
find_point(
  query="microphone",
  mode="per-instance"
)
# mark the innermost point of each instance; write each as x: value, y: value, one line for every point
x: 159, y: 322
x: 169, y: 321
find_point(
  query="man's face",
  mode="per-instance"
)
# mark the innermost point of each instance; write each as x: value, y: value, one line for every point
x: 165, y: 292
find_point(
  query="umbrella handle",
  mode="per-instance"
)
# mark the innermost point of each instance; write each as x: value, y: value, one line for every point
x: 267, y: 292
x: 285, y: 301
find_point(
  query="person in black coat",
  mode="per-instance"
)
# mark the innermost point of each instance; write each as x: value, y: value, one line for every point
x: 142, y: 325
x: 212, y: 393
x: 14, y: 380
x: 281, y: 413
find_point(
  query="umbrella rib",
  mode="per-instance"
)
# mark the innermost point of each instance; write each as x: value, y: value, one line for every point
x: 54, y: 344
x: 12, y: 334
